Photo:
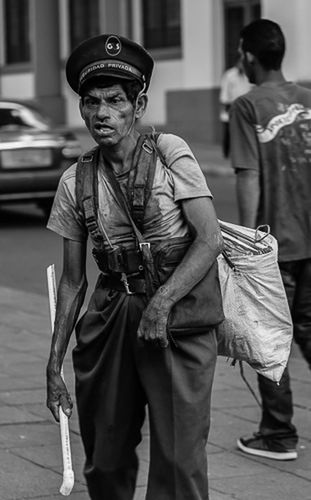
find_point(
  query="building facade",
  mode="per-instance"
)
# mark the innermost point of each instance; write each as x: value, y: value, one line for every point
x: 192, y: 42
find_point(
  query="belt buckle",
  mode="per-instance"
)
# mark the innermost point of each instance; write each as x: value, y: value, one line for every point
x: 126, y: 284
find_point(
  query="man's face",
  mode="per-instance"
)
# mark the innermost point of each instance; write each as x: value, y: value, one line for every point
x: 248, y: 67
x: 108, y: 114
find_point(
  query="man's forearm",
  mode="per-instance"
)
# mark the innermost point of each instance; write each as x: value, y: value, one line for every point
x: 69, y: 301
x: 248, y: 193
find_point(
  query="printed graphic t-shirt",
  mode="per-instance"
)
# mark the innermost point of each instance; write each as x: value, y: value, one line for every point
x: 182, y: 179
x: 271, y: 133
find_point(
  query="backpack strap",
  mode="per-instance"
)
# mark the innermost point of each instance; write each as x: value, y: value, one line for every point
x: 139, y: 187
x: 87, y: 193
x: 142, y: 176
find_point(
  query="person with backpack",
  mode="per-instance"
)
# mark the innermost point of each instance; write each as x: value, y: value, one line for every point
x: 147, y: 338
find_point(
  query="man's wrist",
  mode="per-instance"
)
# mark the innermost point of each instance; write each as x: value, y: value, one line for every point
x: 53, y: 367
x: 165, y: 296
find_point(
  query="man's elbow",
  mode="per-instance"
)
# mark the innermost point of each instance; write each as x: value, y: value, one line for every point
x: 214, y: 242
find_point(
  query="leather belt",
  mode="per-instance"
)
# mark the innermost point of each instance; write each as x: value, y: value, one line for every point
x: 128, y: 284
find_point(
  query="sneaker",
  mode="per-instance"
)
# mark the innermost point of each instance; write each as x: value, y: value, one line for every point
x: 266, y: 447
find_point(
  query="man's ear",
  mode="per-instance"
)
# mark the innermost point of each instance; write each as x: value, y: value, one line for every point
x: 250, y: 57
x: 141, y: 105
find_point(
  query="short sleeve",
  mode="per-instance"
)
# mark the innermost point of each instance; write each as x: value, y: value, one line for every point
x: 65, y: 218
x: 243, y: 139
x: 185, y: 172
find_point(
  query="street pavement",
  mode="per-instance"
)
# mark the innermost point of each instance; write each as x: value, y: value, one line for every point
x: 30, y: 452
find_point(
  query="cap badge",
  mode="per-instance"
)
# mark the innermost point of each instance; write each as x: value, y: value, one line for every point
x: 113, y: 46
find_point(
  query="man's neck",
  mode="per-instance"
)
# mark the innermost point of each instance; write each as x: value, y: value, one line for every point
x: 270, y: 77
x: 120, y: 157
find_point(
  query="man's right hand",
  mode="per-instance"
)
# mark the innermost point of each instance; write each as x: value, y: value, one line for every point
x: 57, y: 395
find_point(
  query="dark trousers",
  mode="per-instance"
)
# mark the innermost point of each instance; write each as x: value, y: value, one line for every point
x: 277, y: 399
x: 116, y: 376
x: 225, y: 139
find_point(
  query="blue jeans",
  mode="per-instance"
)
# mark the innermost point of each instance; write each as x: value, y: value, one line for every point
x: 277, y: 402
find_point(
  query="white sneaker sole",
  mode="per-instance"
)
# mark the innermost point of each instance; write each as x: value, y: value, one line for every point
x: 274, y: 455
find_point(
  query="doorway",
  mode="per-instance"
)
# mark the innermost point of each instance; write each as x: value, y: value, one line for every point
x: 237, y: 13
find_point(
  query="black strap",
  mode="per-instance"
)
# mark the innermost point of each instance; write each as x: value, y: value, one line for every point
x: 141, y: 177
x: 86, y: 165
x: 150, y: 273
x: 139, y: 187
x: 87, y: 193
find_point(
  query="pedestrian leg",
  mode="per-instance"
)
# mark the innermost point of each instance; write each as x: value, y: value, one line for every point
x: 301, y: 310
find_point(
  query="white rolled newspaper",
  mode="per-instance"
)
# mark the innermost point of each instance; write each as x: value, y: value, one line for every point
x: 68, y: 474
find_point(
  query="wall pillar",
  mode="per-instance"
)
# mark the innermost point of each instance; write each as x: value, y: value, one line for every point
x: 46, y: 57
x: 193, y: 108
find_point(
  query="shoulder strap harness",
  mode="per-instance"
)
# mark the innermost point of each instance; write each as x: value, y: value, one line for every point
x: 139, y: 187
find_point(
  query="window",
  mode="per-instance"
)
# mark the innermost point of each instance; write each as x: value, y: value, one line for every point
x: 161, y: 23
x: 17, y: 40
x: 237, y: 13
x: 84, y: 20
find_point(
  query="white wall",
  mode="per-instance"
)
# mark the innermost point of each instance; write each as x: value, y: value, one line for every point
x: 167, y: 76
x: 19, y: 86
x: 294, y: 19
x: 201, y: 47
x: 202, y: 54
x: 73, y: 117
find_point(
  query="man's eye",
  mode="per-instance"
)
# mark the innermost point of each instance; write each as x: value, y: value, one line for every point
x: 116, y: 99
x: 90, y: 102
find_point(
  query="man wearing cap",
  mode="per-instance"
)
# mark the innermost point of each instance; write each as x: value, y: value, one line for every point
x: 124, y: 358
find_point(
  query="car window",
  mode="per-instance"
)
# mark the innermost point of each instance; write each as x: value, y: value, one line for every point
x: 9, y: 117
x: 32, y: 118
x: 22, y: 117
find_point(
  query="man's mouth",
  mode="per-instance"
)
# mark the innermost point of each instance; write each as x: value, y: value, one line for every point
x: 103, y: 129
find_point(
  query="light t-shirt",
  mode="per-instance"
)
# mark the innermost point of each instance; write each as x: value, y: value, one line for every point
x: 182, y: 179
x: 233, y: 84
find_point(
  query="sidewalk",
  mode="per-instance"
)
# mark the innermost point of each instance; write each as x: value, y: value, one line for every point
x: 29, y: 440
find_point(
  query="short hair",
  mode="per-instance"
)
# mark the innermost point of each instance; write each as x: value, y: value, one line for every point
x: 265, y: 40
x: 131, y: 87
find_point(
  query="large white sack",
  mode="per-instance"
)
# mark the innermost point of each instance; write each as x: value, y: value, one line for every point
x: 257, y: 327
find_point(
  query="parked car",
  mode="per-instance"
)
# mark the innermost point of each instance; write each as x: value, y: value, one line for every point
x: 33, y: 154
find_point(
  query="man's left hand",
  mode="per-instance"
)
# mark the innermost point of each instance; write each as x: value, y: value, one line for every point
x: 152, y: 327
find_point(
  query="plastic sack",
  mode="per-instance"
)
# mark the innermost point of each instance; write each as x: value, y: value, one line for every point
x: 257, y: 328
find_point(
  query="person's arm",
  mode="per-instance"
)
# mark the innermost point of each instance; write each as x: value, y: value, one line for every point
x: 245, y: 159
x: 202, y: 253
x: 70, y: 297
x: 248, y: 192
